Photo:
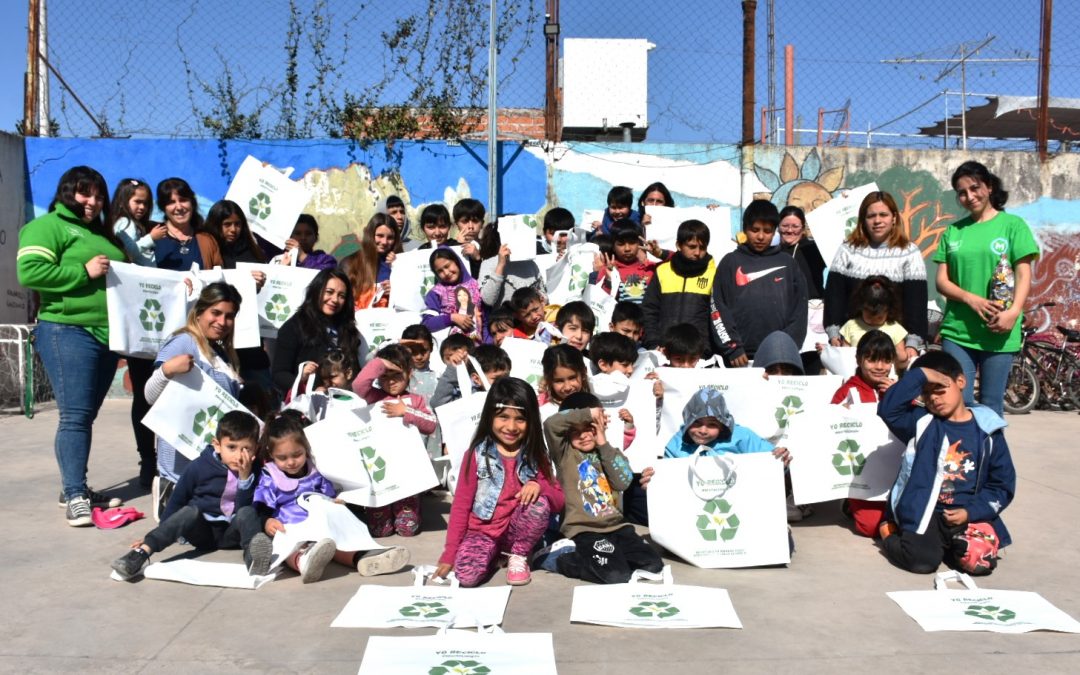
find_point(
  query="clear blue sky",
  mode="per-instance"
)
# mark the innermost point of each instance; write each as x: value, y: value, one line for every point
x: 695, y: 70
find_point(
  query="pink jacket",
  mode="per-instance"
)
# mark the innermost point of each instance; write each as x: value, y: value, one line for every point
x: 417, y: 412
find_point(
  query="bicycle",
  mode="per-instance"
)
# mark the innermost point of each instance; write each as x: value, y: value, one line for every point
x: 1044, y: 373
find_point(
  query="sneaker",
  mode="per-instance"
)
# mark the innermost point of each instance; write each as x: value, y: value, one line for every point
x: 517, y: 571
x: 886, y: 529
x: 384, y: 561
x: 78, y: 512
x: 96, y: 499
x: 257, y: 555
x: 131, y: 564
x: 161, y: 490
x: 798, y: 513
x: 545, y: 557
x: 314, y: 560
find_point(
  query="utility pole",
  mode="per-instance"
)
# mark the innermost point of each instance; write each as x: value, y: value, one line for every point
x: 1042, y: 124
x: 31, y: 124
x: 551, y: 97
x: 493, y: 123
x: 770, y: 21
x: 749, y: 8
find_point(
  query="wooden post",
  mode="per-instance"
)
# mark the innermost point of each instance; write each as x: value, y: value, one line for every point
x: 749, y: 8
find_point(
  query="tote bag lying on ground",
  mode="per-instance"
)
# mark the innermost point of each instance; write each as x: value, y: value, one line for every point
x: 271, y: 201
x: 839, y: 453
x: 326, y: 519
x: 281, y: 295
x: 720, y: 511
x: 420, y: 606
x: 145, y: 305
x: 204, y: 573
x: 187, y: 413
x: 375, y: 461
x: 453, y: 652
x: 976, y: 609
x: 666, y: 605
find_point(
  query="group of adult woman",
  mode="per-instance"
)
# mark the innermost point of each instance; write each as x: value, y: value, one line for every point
x: 65, y: 254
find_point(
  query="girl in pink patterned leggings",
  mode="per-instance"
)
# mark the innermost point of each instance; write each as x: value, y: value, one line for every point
x: 506, y: 492
x: 391, y: 368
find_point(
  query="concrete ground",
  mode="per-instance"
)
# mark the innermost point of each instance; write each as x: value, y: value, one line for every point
x: 826, y: 612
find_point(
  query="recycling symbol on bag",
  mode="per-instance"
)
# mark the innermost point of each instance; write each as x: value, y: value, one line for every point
x: 376, y: 465
x: 259, y: 206
x: 717, y: 521
x: 205, y: 424
x: 427, y: 284
x: 277, y: 309
x: 375, y: 342
x: 654, y: 610
x: 150, y: 316
x: 427, y: 610
x: 990, y: 613
x: 578, y: 278
x: 455, y: 667
x: 847, y: 460
x: 791, y: 405
x: 533, y: 380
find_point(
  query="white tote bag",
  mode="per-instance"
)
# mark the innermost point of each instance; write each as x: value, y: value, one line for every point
x: 374, y: 460
x: 525, y: 359
x: 145, y: 305
x: 833, y: 221
x: 601, y: 302
x: 637, y: 397
x: 420, y: 606
x: 800, y: 395
x: 379, y: 326
x: 246, y: 331
x: 744, y: 391
x: 187, y: 413
x: 271, y: 201
x: 326, y: 519
x: 567, y: 278
x: 281, y: 295
x: 411, y: 277
x: 841, y: 453
x: 519, y: 233
x: 459, y: 419
x: 641, y: 605
x: 205, y: 573
x: 976, y: 609
x: 839, y: 360
x: 461, y: 652
x: 720, y: 511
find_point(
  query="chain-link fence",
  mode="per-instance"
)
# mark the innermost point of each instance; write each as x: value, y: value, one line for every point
x: 865, y: 73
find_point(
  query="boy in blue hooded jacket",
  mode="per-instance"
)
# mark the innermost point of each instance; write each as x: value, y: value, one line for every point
x: 955, y: 478
x: 707, y: 421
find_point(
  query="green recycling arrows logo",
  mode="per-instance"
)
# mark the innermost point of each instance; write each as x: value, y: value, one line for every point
x: 534, y: 380
x: 455, y: 667
x: 425, y: 610
x: 205, y: 423
x: 990, y: 613
x: 150, y: 316
x: 578, y: 278
x: 376, y: 465
x: 428, y: 283
x: 847, y: 460
x: 717, y: 521
x: 277, y: 309
x: 375, y: 343
x: 791, y: 405
x: 259, y: 206
x: 654, y: 610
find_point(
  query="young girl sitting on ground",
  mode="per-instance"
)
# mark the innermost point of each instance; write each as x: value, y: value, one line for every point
x: 506, y: 491
x: 879, y: 307
x: 454, y: 301
x: 392, y: 368
x: 288, y: 473
x: 420, y: 343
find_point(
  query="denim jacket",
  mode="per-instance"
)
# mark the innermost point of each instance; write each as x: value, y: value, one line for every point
x: 490, y: 476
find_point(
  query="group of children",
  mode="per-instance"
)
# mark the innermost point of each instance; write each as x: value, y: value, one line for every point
x: 540, y: 464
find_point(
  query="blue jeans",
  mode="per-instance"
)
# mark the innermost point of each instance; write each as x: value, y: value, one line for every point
x: 80, y: 369
x: 993, y: 370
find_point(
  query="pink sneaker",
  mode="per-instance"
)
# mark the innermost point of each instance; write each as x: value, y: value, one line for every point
x: 517, y: 571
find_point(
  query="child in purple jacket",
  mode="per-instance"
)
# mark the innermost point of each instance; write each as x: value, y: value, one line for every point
x: 304, y: 237
x: 289, y: 473
x: 454, y: 300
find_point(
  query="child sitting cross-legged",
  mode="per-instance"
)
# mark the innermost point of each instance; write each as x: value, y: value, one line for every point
x: 604, y: 548
x: 506, y: 492
x: 210, y: 507
x: 288, y: 473
x: 956, y: 476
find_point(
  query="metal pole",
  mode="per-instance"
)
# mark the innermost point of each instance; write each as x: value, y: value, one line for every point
x: 43, y: 74
x: 1042, y: 124
x: 770, y: 28
x: 493, y: 121
x: 30, y: 94
x: 820, y: 124
x: 963, y: 98
x: 749, y: 8
x: 789, y: 95
x: 551, y: 102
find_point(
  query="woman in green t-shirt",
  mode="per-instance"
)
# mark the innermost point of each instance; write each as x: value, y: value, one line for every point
x: 984, y: 273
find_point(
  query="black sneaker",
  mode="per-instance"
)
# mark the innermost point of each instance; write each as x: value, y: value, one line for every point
x: 78, y: 512
x: 161, y: 490
x: 131, y: 564
x: 96, y: 499
x: 258, y: 554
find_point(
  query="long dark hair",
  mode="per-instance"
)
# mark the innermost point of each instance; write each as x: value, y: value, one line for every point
x: 877, y: 294
x: 654, y: 187
x: 217, y: 215
x: 973, y: 169
x: 314, y: 324
x: 515, y: 392
x: 83, y: 180
x: 167, y: 187
x: 119, y: 208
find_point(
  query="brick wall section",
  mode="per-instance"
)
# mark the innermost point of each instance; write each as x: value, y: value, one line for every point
x: 514, y: 123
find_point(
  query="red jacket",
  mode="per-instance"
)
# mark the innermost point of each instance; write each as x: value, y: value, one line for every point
x: 867, y: 394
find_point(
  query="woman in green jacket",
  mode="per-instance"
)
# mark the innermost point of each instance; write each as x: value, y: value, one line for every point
x: 64, y: 256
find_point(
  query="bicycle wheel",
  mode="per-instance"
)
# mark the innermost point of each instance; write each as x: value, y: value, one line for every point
x: 1071, y: 385
x: 1022, y: 389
